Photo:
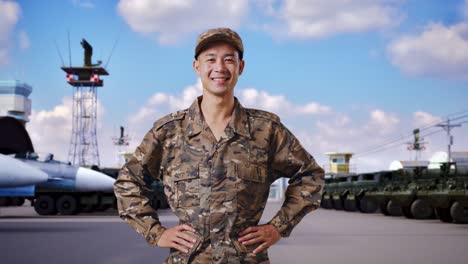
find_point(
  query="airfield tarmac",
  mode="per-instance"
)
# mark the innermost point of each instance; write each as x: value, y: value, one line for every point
x: 324, y: 236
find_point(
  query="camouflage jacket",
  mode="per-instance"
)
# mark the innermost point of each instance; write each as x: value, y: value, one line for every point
x: 218, y: 187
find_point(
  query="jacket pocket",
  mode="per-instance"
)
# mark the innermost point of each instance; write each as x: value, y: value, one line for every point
x: 187, y: 188
x: 252, y: 186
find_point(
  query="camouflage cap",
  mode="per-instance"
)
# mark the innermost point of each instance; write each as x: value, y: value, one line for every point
x: 219, y: 34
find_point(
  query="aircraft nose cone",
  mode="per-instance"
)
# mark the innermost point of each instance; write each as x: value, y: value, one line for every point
x: 15, y: 173
x: 90, y: 180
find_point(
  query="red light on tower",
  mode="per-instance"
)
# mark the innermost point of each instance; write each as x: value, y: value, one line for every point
x: 70, y: 78
x: 94, y: 78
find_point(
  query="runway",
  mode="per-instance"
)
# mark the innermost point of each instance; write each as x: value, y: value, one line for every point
x: 324, y: 236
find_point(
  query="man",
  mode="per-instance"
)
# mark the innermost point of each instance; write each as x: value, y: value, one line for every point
x: 217, y: 161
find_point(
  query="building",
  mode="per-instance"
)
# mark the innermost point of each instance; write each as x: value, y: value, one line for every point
x: 14, y: 101
x: 339, y: 163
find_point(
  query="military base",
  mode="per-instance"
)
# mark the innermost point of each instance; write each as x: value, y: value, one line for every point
x: 44, y: 200
x: 415, y: 210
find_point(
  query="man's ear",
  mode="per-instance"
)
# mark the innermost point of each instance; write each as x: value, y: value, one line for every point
x: 196, y: 67
x: 241, y: 66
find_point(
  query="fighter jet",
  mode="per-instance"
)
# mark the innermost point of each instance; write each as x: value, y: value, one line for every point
x: 66, y: 176
x: 64, y: 188
x: 15, y: 173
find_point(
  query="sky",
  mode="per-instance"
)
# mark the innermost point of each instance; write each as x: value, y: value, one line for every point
x: 343, y: 75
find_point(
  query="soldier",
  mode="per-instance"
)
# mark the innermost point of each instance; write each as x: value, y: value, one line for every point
x: 217, y: 161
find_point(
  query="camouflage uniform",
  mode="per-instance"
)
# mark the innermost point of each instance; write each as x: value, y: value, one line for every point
x: 218, y: 187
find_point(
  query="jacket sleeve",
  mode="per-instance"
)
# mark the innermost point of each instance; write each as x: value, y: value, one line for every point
x: 289, y: 159
x: 133, y: 189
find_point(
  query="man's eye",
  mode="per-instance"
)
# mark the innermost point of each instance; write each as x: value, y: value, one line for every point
x: 229, y: 60
x: 211, y: 60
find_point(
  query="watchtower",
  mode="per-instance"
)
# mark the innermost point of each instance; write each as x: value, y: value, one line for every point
x: 339, y: 162
x: 85, y: 80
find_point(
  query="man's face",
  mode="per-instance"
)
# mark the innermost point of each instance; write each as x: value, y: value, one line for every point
x: 219, y: 67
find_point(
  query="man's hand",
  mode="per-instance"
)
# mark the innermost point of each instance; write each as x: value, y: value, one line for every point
x: 176, y: 238
x: 267, y: 235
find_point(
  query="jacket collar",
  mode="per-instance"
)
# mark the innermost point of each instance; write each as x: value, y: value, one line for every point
x: 239, y: 123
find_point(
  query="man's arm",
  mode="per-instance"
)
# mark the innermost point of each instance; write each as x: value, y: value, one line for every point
x: 288, y: 159
x: 303, y: 194
x: 133, y: 189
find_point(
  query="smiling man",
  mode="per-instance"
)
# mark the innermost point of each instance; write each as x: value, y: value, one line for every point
x: 217, y: 161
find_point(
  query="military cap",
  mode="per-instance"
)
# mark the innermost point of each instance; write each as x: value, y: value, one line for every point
x: 219, y: 34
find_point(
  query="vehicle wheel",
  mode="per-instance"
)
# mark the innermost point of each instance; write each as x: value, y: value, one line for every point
x: 45, y: 205
x: 5, y: 201
x: 17, y: 201
x: 383, y: 209
x: 367, y: 206
x: 459, y: 213
x: 394, y: 209
x: 421, y: 209
x: 327, y: 204
x: 406, y: 211
x: 350, y: 205
x: 444, y: 215
x: 338, y: 204
x: 67, y: 205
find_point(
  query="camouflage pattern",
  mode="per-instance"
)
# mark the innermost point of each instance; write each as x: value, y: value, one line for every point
x: 218, y: 187
x: 219, y: 34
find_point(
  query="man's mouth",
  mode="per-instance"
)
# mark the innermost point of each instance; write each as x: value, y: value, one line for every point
x: 220, y: 78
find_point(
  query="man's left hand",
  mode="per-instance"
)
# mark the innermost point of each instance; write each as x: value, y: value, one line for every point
x: 266, y: 235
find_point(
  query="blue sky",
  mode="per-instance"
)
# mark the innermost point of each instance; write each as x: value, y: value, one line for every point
x: 372, y: 69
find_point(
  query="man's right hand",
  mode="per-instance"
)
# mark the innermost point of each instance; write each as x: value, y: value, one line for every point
x: 176, y: 238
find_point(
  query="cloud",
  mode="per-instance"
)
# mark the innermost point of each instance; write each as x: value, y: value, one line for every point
x: 24, y: 42
x: 322, y: 18
x: 424, y: 119
x: 9, y: 15
x: 383, y: 122
x: 278, y: 103
x: 51, y: 131
x: 170, y: 21
x: 437, y: 51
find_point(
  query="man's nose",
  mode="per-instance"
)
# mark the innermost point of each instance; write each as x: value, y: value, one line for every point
x: 219, y: 65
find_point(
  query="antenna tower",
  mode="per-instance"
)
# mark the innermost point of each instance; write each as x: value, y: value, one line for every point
x: 121, y: 143
x: 417, y: 145
x: 85, y: 81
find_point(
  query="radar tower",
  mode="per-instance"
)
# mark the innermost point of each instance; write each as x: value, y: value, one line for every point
x: 85, y: 80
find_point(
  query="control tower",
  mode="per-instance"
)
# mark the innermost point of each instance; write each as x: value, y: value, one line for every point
x: 85, y: 80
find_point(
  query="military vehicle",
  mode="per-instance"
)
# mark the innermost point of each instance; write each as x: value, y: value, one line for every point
x: 448, y: 194
x: 418, y: 193
x: 356, y: 198
x: 336, y: 192
x: 326, y: 194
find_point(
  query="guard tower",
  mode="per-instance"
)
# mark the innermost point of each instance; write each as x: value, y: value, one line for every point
x: 85, y: 80
x: 339, y: 162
